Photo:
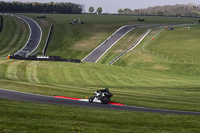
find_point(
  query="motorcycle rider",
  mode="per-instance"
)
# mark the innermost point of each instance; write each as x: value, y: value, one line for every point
x: 104, y: 90
x: 102, y: 95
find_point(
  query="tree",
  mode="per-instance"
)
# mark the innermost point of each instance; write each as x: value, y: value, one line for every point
x: 120, y: 11
x: 127, y: 11
x: 82, y: 7
x: 99, y: 10
x: 91, y: 9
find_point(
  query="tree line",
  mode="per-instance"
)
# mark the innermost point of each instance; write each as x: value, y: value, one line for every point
x: 67, y: 8
x: 167, y: 10
x: 98, y: 11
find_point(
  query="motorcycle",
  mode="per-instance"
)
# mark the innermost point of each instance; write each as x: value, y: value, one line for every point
x: 101, y: 96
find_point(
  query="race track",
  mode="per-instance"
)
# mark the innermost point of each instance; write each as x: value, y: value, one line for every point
x: 34, y: 38
x: 28, y: 97
x: 97, y: 53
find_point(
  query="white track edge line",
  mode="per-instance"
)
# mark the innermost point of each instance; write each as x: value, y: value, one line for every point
x: 27, y: 93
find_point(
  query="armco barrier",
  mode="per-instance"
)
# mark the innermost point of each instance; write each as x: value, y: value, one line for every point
x: 133, y: 46
x: 51, y: 58
x: 1, y: 23
x: 47, y: 41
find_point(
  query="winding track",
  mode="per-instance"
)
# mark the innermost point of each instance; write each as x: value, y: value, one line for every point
x: 34, y: 37
x: 28, y: 97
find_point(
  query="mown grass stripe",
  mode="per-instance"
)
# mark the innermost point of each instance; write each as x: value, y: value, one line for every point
x: 7, y: 34
x: 12, y: 70
x: 19, y: 40
x: 31, y: 71
x: 16, y: 35
x: 21, y: 71
x: 15, y: 32
x: 3, y: 67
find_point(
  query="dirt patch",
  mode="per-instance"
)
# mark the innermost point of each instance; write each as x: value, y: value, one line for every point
x: 160, y: 67
x: 89, y: 44
x: 143, y: 56
x: 118, y: 51
x: 43, y: 22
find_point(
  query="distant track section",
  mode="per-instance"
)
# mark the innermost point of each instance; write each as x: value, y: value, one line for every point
x: 132, y: 47
x: 34, y: 38
x: 98, y: 52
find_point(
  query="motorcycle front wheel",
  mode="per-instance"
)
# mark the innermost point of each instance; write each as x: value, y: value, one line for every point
x: 105, y: 100
x: 91, y: 99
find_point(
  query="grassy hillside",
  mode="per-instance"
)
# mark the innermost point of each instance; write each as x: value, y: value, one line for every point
x: 130, y: 86
x: 76, y: 41
x: 181, y: 44
x: 14, y: 35
x: 169, y: 51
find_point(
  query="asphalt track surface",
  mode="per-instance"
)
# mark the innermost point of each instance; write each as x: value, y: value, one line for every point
x: 28, y: 97
x: 97, y: 53
x: 34, y: 37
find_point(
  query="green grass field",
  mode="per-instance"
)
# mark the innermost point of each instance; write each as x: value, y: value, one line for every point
x: 20, y: 117
x: 177, y: 47
x: 14, y: 35
x: 139, y: 78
